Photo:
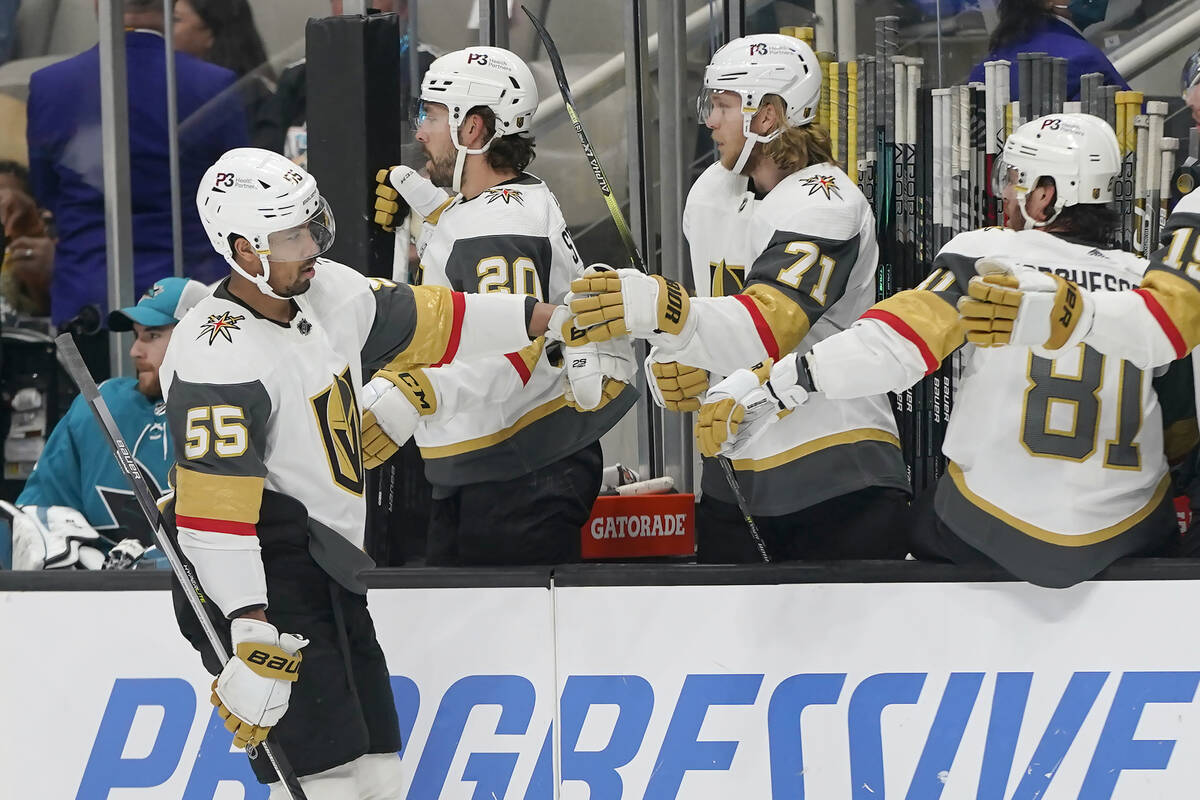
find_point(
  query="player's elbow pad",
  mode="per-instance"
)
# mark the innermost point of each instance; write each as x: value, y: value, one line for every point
x: 1123, y: 326
x: 493, y: 324
x: 228, y: 566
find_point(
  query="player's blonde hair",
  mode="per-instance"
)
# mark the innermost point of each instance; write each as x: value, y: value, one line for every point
x: 797, y: 147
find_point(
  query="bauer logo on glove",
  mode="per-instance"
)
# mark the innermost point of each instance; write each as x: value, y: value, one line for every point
x: 613, y: 303
x: 274, y: 663
x: 1015, y: 304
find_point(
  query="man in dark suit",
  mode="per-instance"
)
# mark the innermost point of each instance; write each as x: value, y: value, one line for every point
x: 67, y: 173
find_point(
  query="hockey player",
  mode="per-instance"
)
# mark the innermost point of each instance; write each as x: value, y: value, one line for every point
x: 77, y: 470
x: 1086, y: 426
x: 515, y: 469
x: 783, y: 255
x: 1151, y: 326
x: 262, y: 384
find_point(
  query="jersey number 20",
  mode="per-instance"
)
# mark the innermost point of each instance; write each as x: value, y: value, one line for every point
x: 520, y: 277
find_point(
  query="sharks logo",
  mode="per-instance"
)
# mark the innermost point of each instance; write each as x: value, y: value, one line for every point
x: 128, y: 519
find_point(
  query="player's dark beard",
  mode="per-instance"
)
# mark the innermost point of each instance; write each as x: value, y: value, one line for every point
x: 441, y: 170
x: 300, y: 285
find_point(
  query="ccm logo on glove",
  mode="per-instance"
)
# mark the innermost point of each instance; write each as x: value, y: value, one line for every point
x: 418, y: 391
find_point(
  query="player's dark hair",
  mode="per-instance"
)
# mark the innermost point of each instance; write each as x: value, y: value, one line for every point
x: 18, y: 171
x: 1019, y: 20
x: 1088, y: 223
x: 800, y: 146
x: 513, y: 152
x: 236, y: 43
x: 1094, y: 224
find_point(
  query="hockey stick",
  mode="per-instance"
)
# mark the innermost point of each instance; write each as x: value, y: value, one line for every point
x: 614, y: 208
x: 72, y: 361
x: 631, y: 248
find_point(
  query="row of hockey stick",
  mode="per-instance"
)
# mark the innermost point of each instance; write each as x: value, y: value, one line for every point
x: 923, y: 157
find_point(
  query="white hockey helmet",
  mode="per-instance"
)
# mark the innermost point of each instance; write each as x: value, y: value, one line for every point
x: 481, y: 76
x: 269, y: 201
x: 1079, y: 151
x: 758, y: 65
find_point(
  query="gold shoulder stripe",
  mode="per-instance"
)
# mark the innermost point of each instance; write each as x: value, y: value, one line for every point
x: 436, y: 214
x: 930, y: 317
x: 437, y: 324
x: 1180, y: 300
x: 235, y: 498
x: 783, y: 315
x: 1050, y: 537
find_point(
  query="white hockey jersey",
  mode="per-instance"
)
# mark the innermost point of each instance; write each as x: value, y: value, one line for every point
x: 257, y: 407
x: 502, y: 416
x: 1056, y: 466
x: 776, y: 274
x: 1160, y: 320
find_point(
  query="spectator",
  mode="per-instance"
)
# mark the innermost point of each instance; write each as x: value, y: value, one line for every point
x: 1189, y: 84
x: 66, y: 172
x: 29, y: 252
x: 76, y: 469
x: 1055, y: 28
x: 281, y: 122
x: 223, y: 32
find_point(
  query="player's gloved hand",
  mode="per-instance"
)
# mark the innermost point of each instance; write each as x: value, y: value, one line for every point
x: 400, y: 188
x: 596, y: 372
x: 125, y: 554
x: 1009, y: 303
x: 252, y: 691
x: 612, y: 303
x: 739, y: 407
x: 51, y: 537
x: 675, y: 386
x: 393, y: 402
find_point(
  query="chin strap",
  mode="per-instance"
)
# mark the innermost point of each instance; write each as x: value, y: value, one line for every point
x: 460, y: 160
x: 751, y: 139
x: 260, y: 281
x: 1028, y: 222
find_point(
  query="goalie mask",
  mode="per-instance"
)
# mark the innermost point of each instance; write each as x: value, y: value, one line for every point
x: 480, y: 76
x: 755, y: 66
x: 1079, y: 151
x: 268, y: 201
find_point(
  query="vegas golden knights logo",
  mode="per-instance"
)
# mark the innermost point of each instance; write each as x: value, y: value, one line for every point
x: 727, y: 279
x: 338, y: 420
